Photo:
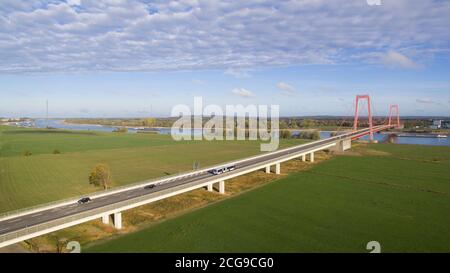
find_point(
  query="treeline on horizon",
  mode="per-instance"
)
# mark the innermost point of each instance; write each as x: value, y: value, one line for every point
x: 284, y: 122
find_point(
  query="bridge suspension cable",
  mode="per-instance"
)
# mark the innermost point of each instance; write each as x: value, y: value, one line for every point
x: 349, y: 109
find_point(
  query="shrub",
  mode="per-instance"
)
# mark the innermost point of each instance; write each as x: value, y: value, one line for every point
x: 27, y: 153
x: 314, y: 135
x: 56, y: 152
x: 285, y: 134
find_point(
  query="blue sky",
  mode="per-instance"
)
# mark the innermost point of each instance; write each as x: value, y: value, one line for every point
x: 115, y: 58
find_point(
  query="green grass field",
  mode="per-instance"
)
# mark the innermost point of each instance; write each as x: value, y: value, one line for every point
x: 44, y: 176
x: 401, y: 200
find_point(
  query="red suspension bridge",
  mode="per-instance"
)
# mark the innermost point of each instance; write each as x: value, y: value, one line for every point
x: 372, y: 128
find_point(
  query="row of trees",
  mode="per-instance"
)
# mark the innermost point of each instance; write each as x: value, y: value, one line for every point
x: 133, y: 122
x: 313, y: 135
x: 284, y: 123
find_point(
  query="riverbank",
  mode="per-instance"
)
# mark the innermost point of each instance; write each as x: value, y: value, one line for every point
x: 414, y: 134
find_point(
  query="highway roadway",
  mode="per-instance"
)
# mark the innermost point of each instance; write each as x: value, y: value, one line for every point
x: 32, y: 219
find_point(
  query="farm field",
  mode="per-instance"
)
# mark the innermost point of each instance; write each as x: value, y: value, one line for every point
x: 44, y: 176
x: 398, y: 195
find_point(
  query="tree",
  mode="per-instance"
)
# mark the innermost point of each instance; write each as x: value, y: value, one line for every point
x: 313, y: 135
x: 100, y: 176
x: 285, y: 134
x: 60, y: 243
x: 308, y: 123
x: 149, y: 122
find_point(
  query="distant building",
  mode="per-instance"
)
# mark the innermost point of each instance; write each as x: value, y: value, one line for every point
x: 440, y: 124
x: 445, y: 124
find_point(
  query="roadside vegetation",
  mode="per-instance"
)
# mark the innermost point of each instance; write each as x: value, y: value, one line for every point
x: 310, y: 134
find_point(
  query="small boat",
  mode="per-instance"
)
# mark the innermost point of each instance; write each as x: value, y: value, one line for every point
x: 422, y: 135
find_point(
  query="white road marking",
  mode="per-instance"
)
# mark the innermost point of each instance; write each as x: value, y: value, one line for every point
x: 37, y: 214
x: 15, y: 220
x: 3, y: 229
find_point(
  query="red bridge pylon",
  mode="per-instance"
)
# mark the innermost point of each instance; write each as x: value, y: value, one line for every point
x: 391, y: 107
x: 355, y: 123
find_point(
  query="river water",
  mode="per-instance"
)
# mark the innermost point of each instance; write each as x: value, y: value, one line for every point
x: 384, y: 137
x: 380, y: 137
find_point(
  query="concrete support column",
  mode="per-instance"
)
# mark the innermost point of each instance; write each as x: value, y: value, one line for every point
x: 277, y: 168
x: 118, y: 220
x: 210, y: 187
x: 311, y: 157
x: 303, y: 158
x: 268, y: 169
x: 222, y: 187
x: 105, y: 219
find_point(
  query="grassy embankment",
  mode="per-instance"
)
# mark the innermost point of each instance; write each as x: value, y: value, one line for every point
x: 398, y: 195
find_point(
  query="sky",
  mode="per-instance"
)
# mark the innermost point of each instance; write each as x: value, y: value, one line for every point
x: 130, y: 58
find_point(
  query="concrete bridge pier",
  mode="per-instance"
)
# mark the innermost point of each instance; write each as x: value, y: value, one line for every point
x: 277, y: 168
x: 118, y: 220
x: 219, y: 186
x: 311, y: 157
x: 303, y: 157
x: 105, y: 219
x: 342, y: 145
x: 222, y: 187
x: 268, y: 169
x: 116, y: 217
x: 210, y: 187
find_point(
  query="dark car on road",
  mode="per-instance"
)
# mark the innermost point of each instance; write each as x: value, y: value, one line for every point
x: 84, y: 200
x: 148, y: 187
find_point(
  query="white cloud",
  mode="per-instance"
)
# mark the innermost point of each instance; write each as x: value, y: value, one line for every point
x: 236, y: 36
x: 286, y: 89
x: 395, y: 59
x: 74, y: 2
x: 242, y: 92
x: 428, y: 101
